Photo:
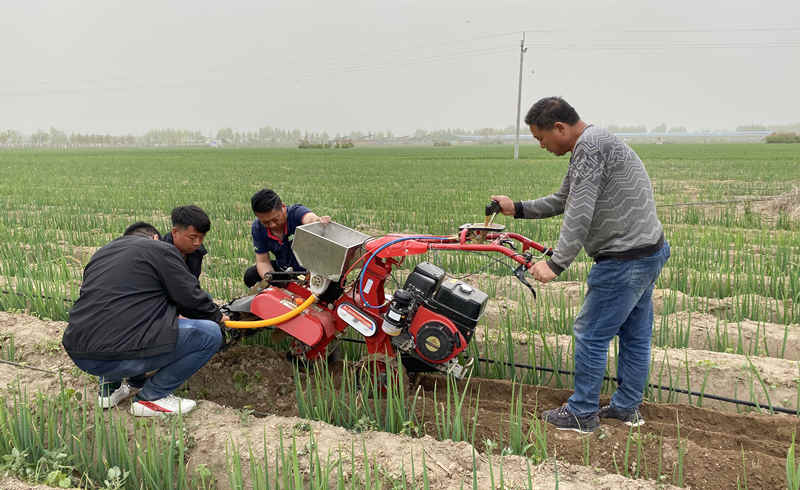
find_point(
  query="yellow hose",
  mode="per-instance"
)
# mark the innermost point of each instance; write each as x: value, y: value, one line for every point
x: 274, y: 320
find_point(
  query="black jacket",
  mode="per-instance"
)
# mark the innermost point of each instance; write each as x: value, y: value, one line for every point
x: 133, y: 290
x: 194, y: 260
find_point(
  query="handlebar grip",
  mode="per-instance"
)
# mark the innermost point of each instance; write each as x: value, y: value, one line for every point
x: 492, y: 207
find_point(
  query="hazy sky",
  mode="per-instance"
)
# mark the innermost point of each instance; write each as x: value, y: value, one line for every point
x: 119, y: 67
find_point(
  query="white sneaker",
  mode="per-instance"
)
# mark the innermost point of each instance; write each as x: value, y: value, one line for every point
x: 169, y: 405
x: 123, y: 392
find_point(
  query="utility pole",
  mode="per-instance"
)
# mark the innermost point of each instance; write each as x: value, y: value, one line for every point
x: 522, y: 50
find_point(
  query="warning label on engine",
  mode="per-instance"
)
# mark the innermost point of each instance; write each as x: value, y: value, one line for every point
x: 356, y: 319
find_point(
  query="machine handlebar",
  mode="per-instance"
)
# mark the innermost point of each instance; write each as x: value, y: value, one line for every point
x: 403, y: 245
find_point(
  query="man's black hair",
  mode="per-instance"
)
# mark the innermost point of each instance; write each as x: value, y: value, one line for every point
x: 545, y: 113
x: 265, y: 201
x: 186, y: 216
x: 140, y: 228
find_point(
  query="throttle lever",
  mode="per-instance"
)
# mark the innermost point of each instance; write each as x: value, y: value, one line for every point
x: 519, y: 273
x: 493, y: 207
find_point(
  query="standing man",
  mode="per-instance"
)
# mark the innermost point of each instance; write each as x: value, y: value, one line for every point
x: 189, y: 227
x: 609, y: 211
x: 125, y: 322
x: 272, y: 232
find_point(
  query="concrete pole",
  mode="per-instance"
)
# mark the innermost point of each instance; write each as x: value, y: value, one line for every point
x: 522, y: 50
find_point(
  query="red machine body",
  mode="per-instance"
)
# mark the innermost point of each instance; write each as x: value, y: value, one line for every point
x: 309, y: 327
x: 434, y: 331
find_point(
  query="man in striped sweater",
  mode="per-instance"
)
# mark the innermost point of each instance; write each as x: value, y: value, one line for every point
x: 609, y: 211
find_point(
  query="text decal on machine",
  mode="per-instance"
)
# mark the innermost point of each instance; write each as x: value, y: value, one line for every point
x: 353, y: 317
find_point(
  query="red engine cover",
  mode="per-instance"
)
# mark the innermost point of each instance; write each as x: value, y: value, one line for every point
x: 430, y: 347
x: 309, y: 327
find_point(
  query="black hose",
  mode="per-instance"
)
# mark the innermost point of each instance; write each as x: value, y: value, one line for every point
x: 22, y: 295
x: 614, y: 379
x: 649, y: 385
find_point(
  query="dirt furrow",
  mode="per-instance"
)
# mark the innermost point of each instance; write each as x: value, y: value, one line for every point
x: 715, y: 443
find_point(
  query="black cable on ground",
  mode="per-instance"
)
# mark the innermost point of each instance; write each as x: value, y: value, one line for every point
x: 716, y: 203
x: 650, y: 385
x: 614, y: 379
x: 42, y: 296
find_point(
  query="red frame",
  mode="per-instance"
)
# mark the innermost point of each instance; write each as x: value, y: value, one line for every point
x: 380, y: 265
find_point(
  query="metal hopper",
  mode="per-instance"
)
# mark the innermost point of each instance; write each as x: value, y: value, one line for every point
x: 327, y: 249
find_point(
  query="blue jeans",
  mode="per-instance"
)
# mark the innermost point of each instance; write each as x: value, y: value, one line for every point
x: 198, y: 340
x: 619, y: 301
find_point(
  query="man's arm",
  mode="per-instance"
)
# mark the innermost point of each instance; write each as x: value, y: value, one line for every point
x: 544, y: 207
x: 263, y: 265
x: 183, y: 288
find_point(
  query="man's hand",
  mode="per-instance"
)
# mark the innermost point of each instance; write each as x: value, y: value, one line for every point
x: 310, y: 217
x: 542, y: 272
x: 225, y: 318
x: 506, y: 204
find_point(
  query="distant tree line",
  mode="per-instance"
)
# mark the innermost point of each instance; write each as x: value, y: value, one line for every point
x: 641, y: 128
x: 266, y: 136
x: 777, y: 128
x: 269, y: 136
x: 783, y: 138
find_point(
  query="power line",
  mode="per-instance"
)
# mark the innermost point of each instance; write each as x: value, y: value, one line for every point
x: 783, y: 28
x: 388, y: 60
x: 624, y: 46
x: 387, y: 65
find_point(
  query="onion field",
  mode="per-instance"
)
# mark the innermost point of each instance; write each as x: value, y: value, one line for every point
x: 726, y: 334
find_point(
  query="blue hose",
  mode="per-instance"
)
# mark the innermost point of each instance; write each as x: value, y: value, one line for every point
x: 375, y: 253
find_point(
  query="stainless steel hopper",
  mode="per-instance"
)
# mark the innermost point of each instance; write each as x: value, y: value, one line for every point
x: 327, y: 249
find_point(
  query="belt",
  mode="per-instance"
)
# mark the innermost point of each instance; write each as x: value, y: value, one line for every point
x: 632, y: 254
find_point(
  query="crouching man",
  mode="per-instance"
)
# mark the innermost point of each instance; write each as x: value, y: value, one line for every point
x: 272, y: 231
x: 125, y: 323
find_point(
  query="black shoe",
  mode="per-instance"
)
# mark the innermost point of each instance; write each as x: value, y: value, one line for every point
x: 632, y: 417
x: 563, y: 419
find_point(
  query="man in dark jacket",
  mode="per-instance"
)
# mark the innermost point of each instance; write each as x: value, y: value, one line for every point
x: 189, y: 227
x: 125, y: 322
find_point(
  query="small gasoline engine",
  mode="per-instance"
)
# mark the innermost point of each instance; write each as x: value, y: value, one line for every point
x: 431, y: 318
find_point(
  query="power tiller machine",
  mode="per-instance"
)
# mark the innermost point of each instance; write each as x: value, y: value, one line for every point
x: 429, y: 321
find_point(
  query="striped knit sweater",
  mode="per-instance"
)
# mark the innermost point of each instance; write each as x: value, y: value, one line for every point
x: 606, y: 199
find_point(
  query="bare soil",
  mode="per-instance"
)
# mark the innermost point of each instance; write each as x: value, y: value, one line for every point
x: 787, y: 203
x: 246, y: 380
x: 228, y: 402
